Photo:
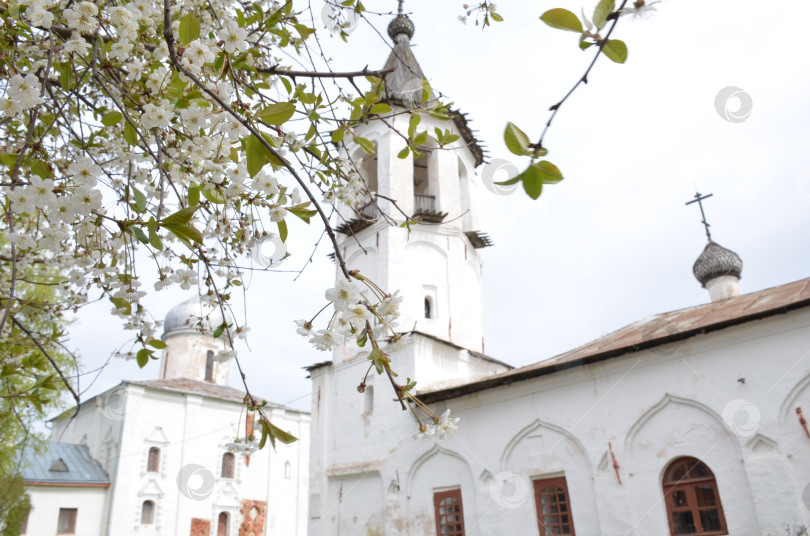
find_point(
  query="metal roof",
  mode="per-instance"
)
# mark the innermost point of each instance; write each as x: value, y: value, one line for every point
x: 207, y: 389
x: 45, y: 468
x: 654, y: 331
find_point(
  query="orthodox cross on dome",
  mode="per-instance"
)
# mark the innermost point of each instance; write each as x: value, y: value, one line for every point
x: 699, y: 200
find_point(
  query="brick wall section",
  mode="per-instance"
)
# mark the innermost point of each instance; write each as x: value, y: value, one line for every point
x: 252, y: 524
x: 200, y: 527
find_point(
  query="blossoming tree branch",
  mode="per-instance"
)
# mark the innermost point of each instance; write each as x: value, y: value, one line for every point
x: 167, y: 141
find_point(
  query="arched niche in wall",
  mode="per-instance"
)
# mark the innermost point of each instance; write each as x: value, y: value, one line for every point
x: 436, y: 470
x: 676, y: 427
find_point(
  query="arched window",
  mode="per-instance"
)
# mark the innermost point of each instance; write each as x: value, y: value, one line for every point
x: 428, y: 308
x: 153, y: 462
x: 287, y: 470
x: 553, y: 503
x: 148, y: 513
x: 693, y: 504
x: 227, y: 465
x: 209, y: 366
x: 223, y: 524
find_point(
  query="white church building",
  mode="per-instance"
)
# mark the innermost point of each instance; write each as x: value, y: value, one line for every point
x: 686, y: 423
x: 151, y: 457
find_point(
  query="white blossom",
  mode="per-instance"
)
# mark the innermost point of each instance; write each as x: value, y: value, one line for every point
x: 24, y: 90
x: 345, y: 294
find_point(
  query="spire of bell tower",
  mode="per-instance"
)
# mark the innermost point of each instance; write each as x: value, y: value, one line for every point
x: 404, y: 85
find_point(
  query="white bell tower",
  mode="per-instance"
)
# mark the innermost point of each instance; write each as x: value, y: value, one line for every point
x: 435, y: 264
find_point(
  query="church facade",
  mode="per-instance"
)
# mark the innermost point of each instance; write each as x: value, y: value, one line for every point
x: 153, y: 457
x: 690, y: 422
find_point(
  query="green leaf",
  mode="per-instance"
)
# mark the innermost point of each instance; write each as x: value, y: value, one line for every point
x: 549, y: 173
x: 193, y: 194
x: 562, y: 19
x: 181, y: 217
x: 121, y: 303
x: 219, y: 331
x: 140, y: 199
x: 38, y: 167
x: 412, y: 124
x: 256, y: 156
x: 189, y: 28
x: 140, y: 235
x: 214, y: 195
x: 157, y: 343
x: 538, y: 174
x: 365, y: 144
x: 532, y: 183
x: 337, y: 135
x: 305, y: 31
x: 111, y: 118
x: 603, y: 9
x: 516, y: 140
x: 421, y: 138
x: 282, y: 230
x: 425, y: 90
x: 380, y: 108
x: 129, y: 134
x: 403, y: 153
x: 616, y: 50
x: 281, y: 435
x: 154, y: 239
x: 186, y: 233
x: 302, y: 213
x: 143, y: 356
x: 584, y: 44
x: 278, y: 113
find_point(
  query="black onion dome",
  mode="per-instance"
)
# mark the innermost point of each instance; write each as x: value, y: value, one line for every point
x: 716, y: 261
x: 401, y: 25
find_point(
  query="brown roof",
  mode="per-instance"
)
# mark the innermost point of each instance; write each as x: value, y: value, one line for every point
x: 210, y: 390
x: 655, y: 331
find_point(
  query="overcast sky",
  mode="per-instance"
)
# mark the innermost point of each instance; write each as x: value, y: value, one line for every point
x: 611, y: 244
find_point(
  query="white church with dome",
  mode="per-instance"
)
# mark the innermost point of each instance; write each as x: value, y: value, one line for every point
x: 151, y: 457
x: 690, y: 422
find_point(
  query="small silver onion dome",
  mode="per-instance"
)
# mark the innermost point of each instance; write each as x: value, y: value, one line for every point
x: 400, y: 27
x: 191, y: 315
x: 716, y: 261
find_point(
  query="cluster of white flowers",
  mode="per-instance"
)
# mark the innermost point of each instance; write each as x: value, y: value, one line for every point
x: 445, y: 428
x: 354, y: 313
x: 243, y: 446
x: 352, y: 192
